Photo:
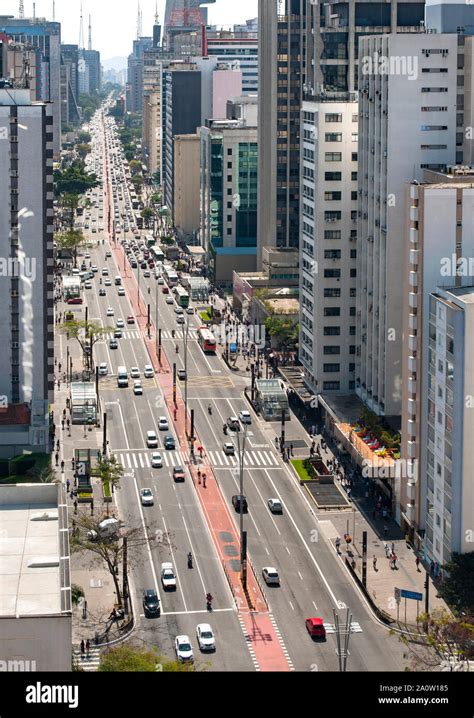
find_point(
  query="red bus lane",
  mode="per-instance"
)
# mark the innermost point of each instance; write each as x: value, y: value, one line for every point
x: 260, y: 634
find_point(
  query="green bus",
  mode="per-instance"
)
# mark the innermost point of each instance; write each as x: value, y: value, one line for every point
x: 182, y: 297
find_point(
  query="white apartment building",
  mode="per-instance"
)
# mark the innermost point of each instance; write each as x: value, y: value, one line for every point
x: 26, y: 272
x: 439, y: 252
x: 328, y: 247
x: 408, y: 85
x: 449, y: 496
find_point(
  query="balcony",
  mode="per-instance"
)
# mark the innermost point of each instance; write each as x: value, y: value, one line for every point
x: 412, y: 364
x: 411, y: 429
x: 413, y: 235
x: 412, y: 386
x: 411, y: 491
x: 414, y: 214
x: 413, y: 300
x: 414, y: 257
x: 411, y: 451
x: 412, y: 343
x: 410, y: 512
x: 411, y: 408
x: 413, y: 322
x: 413, y: 279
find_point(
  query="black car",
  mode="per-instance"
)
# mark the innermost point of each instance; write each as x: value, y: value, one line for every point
x: 170, y: 442
x: 181, y: 374
x: 239, y: 501
x: 151, y: 602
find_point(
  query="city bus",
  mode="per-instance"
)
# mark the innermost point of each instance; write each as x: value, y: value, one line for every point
x: 72, y: 290
x: 207, y: 340
x: 182, y: 297
x: 157, y: 254
x: 170, y: 276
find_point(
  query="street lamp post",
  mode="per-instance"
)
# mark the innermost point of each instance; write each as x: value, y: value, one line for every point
x: 243, y: 537
x: 185, y: 345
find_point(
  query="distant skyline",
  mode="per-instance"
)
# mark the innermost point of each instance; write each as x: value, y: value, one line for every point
x: 114, y: 22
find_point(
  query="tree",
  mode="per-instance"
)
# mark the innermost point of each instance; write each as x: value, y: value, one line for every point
x: 284, y: 330
x: 137, y: 182
x: 70, y: 202
x: 86, y: 538
x: 147, y: 215
x: 84, y: 136
x: 110, y: 472
x: 83, y: 150
x: 156, y: 178
x: 74, y: 180
x: 135, y: 167
x: 87, y: 335
x: 447, y: 644
x: 131, y: 659
x: 457, y: 587
x: 71, y: 241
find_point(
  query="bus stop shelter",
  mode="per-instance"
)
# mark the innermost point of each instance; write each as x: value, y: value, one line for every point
x: 83, y: 403
x: 271, y: 399
x: 198, y: 288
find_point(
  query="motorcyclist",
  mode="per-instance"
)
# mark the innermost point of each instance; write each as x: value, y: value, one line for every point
x: 209, y: 408
x: 209, y: 599
x: 173, y: 333
x: 177, y: 349
x: 190, y: 559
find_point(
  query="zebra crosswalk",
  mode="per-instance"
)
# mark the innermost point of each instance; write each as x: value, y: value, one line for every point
x: 87, y: 663
x: 354, y: 628
x: 165, y: 334
x: 217, y: 459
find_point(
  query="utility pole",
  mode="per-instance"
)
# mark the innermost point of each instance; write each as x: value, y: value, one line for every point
x: 243, y: 534
x: 343, y: 634
x: 185, y: 345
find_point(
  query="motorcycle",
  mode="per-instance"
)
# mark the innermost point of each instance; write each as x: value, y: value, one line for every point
x: 190, y: 560
x: 177, y: 349
x: 209, y: 409
x: 209, y: 602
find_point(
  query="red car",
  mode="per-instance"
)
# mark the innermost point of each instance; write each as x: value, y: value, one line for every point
x: 315, y: 627
x: 75, y: 300
x: 130, y: 320
x: 165, y: 290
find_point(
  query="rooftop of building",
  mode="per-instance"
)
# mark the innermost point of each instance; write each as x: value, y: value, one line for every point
x: 464, y: 294
x: 34, y: 551
x: 282, y: 305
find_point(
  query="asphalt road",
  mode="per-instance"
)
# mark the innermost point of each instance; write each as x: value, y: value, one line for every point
x: 313, y: 582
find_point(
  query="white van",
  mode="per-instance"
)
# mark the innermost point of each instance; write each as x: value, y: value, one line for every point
x: 151, y: 440
x: 118, y: 280
x: 122, y: 377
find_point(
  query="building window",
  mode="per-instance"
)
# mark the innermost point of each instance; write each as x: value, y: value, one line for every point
x: 333, y: 156
x: 331, y: 350
x: 333, y: 136
x: 333, y: 117
x: 354, y: 195
x: 330, y: 368
x: 332, y: 331
x: 333, y: 176
x: 354, y: 156
x: 332, y: 292
x: 331, y: 385
x: 332, y: 311
x: 333, y: 196
x: 332, y: 234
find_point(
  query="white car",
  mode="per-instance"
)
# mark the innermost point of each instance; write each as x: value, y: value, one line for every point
x: 95, y: 268
x: 156, y: 460
x: 108, y: 283
x: 245, y: 417
x: 160, y: 279
x: 270, y: 576
x: 275, y: 506
x: 178, y: 310
x: 169, y: 300
x: 168, y: 579
x: 205, y: 637
x: 184, y: 650
x: 190, y: 310
x: 163, y: 423
x: 121, y: 292
x: 103, y: 369
x: 110, y: 313
x: 148, y: 372
x: 146, y: 497
x: 151, y: 440
x: 137, y: 388
x: 88, y: 284
x: 229, y: 449
x: 120, y: 324
x: 105, y: 272
x: 135, y: 372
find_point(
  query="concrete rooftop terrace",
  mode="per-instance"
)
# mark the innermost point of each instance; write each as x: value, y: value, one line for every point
x: 34, y: 551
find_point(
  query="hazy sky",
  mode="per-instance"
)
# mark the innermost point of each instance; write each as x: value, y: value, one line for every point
x: 114, y: 22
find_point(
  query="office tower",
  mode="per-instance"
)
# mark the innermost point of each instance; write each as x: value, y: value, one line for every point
x: 135, y: 74
x: 328, y: 242
x: 18, y: 64
x: 282, y: 47
x: 229, y: 191
x: 448, y: 494
x: 92, y: 60
x: 46, y: 37
x: 439, y: 216
x: 70, y: 114
x: 185, y: 12
x: 186, y: 200
x: 181, y: 115
x: 407, y: 122
x: 26, y: 291
x: 449, y: 16
x: 238, y: 48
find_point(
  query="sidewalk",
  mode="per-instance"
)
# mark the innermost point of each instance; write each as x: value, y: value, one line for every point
x: 90, y: 616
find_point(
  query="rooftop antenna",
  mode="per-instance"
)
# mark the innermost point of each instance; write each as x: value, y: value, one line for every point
x: 157, y: 19
x: 54, y: 10
x: 21, y: 9
x: 34, y: 11
x: 90, y: 33
x: 81, y: 31
x: 139, y: 22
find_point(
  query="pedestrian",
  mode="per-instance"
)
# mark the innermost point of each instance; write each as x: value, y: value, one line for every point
x: 199, y: 476
x: 83, y: 650
x: 417, y: 562
x: 386, y: 549
x: 277, y: 442
x: 204, y: 480
x: 431, y: 568
x: 73, y: 463
x: 59, y: 366
x: 393, y: 547
x: 62, y: 424
x: 68, y: 484
x: 88, y: 647
x: 57, y: 458
x: 338, y: 543
x: 394, y: 559
x: 374, y: 562
x: 71, y: 495
x: 291, y: 450
x: 62, y: 466
x: 75, y: 506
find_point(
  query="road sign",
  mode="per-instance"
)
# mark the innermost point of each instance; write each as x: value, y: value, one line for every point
x: 411, y: 594
x: 397, y: 594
